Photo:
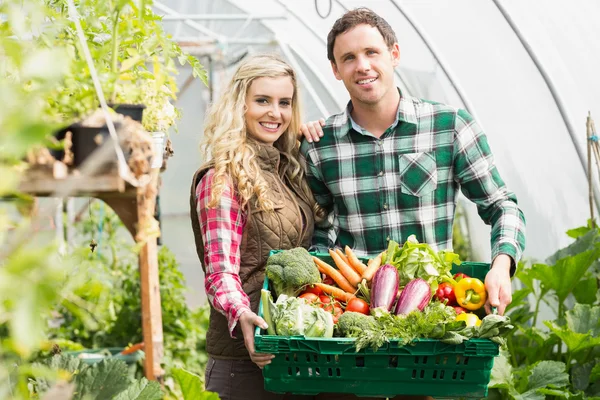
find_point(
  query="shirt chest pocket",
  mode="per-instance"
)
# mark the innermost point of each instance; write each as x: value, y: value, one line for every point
x: 418, y: 173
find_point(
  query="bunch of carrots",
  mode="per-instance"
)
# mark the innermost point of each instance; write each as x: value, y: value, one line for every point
x: 349, y: 275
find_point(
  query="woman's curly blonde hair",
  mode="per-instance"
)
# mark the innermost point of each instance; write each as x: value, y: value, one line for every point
x: 226, y: 138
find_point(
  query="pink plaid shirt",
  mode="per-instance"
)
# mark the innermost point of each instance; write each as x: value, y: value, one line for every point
x: 222, y: 228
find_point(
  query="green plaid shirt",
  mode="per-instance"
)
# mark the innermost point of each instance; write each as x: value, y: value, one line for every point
x: 407, y: 181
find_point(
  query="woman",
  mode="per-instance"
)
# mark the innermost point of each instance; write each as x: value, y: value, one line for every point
x: 250, y: 198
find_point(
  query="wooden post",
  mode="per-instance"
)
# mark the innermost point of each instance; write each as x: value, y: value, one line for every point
x: 150, y: 285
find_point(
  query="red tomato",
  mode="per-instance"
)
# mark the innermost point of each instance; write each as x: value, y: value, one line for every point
x: 337, y: 311
x: 313, y: 289
x: 358, y: 305
x: 458, y: 276
x: 328, y: 281
x: 459, y: 310
x: 309, y: 297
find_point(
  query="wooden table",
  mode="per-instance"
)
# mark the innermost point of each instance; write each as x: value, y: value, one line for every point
x: 135, y: 207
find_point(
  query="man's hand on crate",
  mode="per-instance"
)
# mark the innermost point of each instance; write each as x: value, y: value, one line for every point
x: 248, y: 320
x: 498, y: 285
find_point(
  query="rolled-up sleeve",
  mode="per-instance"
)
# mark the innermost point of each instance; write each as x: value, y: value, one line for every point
x: 222, y: 228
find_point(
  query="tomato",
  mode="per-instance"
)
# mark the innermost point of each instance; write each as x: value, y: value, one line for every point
x: 337, y: 311
x: 458, y: 276
x: 459, y: 310
x: 328, y: 281
x: 313, y: 289
x: 358, y: 305
x: 309, y: 297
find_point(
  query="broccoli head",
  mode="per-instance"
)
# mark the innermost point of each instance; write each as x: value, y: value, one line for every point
x: 353, y: 324
x: 290, y: 270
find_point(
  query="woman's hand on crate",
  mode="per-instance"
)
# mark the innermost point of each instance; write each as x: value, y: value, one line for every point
x: 248, y: 320
x: 498, y: 285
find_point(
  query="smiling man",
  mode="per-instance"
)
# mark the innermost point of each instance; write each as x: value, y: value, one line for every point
x: 391, y: 165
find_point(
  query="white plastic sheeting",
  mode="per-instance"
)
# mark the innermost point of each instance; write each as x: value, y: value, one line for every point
x: 469, y: 41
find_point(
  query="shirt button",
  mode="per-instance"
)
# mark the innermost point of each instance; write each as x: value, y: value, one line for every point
x: 232, y: 375
x: 380, y: 143
x: 385, y: 206
x: 388, y: 238
x: 380, y: 173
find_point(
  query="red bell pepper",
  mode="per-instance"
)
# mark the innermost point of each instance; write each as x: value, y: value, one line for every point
x: 445, y: 294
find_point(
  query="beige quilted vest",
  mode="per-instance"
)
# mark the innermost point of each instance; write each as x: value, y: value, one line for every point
x: 264, y: 231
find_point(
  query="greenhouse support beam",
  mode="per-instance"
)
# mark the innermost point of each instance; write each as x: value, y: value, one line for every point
x: 188, y: 22
x: 201, y: 41
x: 222, y: 17
x: 303, y: 78
x: 438, y: 58
x: 553, y: 91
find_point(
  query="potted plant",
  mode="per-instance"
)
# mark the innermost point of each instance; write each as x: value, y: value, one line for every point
x: 136, y: 62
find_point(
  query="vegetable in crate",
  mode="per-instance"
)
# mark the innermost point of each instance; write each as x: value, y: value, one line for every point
x: 291, y: 316
x: 419, y: 260
x: 415, y: 296
x: 384, y: 288
x: 470, y: 293
x: 353, y: 324
x: 445, y: 294
x: 291, y: 270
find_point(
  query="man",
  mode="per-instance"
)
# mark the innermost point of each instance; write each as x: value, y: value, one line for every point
x: 390, y: 165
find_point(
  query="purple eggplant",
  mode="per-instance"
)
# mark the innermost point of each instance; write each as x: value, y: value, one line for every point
x: 415, y: 296
x: 384, y: 287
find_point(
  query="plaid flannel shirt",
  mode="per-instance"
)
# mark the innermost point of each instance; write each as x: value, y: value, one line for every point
x: 407, y: 181
x: 222, y: 228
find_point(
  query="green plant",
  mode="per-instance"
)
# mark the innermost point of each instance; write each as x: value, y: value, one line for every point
x: 107, y: 379
x: 557, y: 358
x: 135, y: 59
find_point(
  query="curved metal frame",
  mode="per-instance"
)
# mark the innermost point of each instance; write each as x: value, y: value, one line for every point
x: 441, y: 62
x: 550, y: 84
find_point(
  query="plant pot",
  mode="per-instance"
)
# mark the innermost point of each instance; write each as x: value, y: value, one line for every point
x: 158, y: 139
x: 133, y: 111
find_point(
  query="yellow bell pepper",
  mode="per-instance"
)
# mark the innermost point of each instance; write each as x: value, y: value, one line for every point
x: 470, y: 293
x: 469, y: 318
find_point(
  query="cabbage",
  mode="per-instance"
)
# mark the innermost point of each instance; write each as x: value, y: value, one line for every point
x: 292, y: 316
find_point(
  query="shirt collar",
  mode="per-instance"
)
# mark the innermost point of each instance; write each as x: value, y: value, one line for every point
x: 406, y: 113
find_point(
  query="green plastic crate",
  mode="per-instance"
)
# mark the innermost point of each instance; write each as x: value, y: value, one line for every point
x: 426, y: 367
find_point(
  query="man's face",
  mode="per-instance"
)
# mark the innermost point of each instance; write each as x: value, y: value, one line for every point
x: 365, y: 64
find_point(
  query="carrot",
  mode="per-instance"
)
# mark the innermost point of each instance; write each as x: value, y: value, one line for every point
x: 336, y: 292
x: 132, y: 349
x: 372, y: 268
x: 345, y: 269
x: 334, y: 274
x: 355, y: 262
x: 341, y: 254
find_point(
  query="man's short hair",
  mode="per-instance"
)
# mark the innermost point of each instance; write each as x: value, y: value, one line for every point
x: 356, y: 17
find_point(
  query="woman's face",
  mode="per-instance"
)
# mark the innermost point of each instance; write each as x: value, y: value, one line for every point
x: 269, y: 108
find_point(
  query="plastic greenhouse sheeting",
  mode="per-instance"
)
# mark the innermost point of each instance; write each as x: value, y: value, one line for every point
x: 470, y: 41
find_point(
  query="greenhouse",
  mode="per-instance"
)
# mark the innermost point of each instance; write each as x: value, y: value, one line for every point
x: 100, y: 272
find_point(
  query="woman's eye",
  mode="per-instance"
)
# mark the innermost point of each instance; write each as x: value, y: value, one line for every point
x: 285, y: 103
x: 262, y: 101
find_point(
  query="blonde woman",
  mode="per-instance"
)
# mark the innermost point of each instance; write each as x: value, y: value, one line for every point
x: 250, y: 198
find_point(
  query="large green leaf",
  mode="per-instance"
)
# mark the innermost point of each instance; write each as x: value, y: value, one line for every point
x: 501, y: 373
x: 141, y: 390
x: 566, y: 273
x: 584, y: 318
x: 582, y: 244
x: 548, y: 374
x: 103, y: 380
x: 575, y: 341
x: 192, y: 386
x: 580, y: 375
x: 595, y: 373
x: 586, y: 291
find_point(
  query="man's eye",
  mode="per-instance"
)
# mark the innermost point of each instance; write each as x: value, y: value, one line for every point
x: 349, y: 58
